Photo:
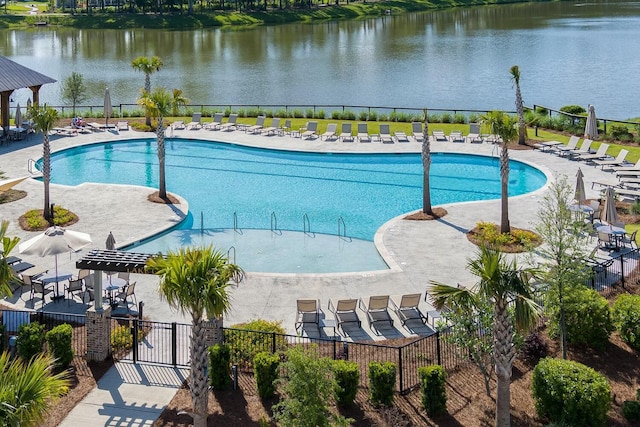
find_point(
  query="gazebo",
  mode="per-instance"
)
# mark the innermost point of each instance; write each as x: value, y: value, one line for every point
x: 15, y: 76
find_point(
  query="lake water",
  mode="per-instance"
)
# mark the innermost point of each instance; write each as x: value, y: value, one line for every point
x: 568, y: 53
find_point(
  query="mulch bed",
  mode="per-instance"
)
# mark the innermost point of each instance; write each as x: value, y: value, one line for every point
x: 169, y: 200
x: 12, y: 195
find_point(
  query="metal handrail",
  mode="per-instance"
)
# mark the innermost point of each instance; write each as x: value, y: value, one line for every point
x: 306, y: 224
x: 31, y: 166
x: 235, y: 221
x: 344, y: 227
x: 274, y: 222
x: 234, y: 254
x: 201, y: 223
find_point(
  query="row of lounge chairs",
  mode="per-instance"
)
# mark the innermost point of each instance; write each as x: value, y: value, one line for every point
x: 75, y: 128
x: 376, y: 310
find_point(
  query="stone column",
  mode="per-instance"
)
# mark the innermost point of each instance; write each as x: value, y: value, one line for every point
x: 98, y: 333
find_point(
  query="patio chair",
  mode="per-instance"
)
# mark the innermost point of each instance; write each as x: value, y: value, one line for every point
x: 346, y: 134
x: 439, y: 135
x: 231, y: 124
x: 308, y: 311
x: 275, y: 127
x: 286, y: 128
x: 605, y: 240
x: 620, y: 160
x: 633, y: 170
x: 571, y: 145
x: 311, y: 130
x: 330, y: 133
x: 456, y: 136
x: 73, y: 286
x: 385, y: 134
x: 122, y: 126
x: 345, y: 312
x: 215, y: 124
x: 408, y: 308
x: 196, y: 122
x: 416, y: 130
x: 630, y: 240
x: 257, y: 128
x: 377, y: 310
x: 401, y: 136
x: 474, y: 134
x: 601, y: 154
x: 124, y: 275
x: 363, y: 133
x: 128, y: 292
x: 585, y: 148
x: 37, y: 287
x: 178, y: 124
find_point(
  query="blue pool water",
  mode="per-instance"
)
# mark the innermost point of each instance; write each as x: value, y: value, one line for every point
x: 256, y: 188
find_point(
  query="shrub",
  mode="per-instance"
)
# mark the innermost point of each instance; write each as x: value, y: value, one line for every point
x: 219, y: 356
x: 320, y: 114
x: 573, y: 109
x: 362, y: 116
x: 587, y: 318
x: 29, y: 340
x: 254, y: 337
x: 533, y: 349
x: 434, y: 118
x: 309, y: 113
x: 489, y: 234
x: 298, y: 114
x: 121, y: 339
x: 570, y: 392
x: 265, y: 366
x: 382, y: 380
x: 620, y: 132
x: 373, y: 116
x: 631, y: 410
x: 446, y: 118
x: 433, y: 389
x: 281, y: 112
x: 635, y: 208
x: 60, y: 340
x: 348, y: 115
x: 474, y: 118
x: 459, y: 118
x: 336, y: 115
x: 383, y: 117
x: 626, y: 317
x: 403, y: 117
x: 347, y: 376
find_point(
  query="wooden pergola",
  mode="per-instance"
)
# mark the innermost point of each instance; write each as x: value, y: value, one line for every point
x: 14, y: 76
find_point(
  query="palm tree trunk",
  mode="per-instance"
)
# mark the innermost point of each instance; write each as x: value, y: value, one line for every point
x: 522, y: 130
x: 147, y: 88
x: 162, y: 186
x: 426, y: 166
x: 199, y: 383
x: 505, y: 227
x: 504, y: 354
x: 46, y: 176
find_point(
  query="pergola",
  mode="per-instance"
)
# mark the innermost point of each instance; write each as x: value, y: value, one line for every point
x: 14, y: 76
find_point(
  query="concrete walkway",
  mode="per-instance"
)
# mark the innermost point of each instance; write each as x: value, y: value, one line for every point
x: 417, y: 251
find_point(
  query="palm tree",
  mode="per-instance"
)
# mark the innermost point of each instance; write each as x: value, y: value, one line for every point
x: 426, y: 166
x: 503, y: 125
x: 505, y: 285
x: 179, y: 100
x: 195, y: 281
x: 7, y: 275
x: 159, y: 104
x: 148, y: 66
x: 522, y: 130
x: 28, y: 390
x: 44, y: 118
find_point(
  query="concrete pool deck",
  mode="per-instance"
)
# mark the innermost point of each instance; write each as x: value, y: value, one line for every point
x: 417, y: 251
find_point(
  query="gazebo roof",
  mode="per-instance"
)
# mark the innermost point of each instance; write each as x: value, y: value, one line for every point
x: 112, y: 260
x: 15, y: 76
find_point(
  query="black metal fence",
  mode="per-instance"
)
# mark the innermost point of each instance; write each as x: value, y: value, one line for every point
x: 619, y: 270
x: 408, y: 354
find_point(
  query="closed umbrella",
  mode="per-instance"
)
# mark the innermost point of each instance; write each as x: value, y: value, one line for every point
x: 609, y: 213
x: 591, y: 128
x: 18, y: 116
x: 111, y: 242
x: 7, y: 184
x: 580, y: 193
x: 107, y: 106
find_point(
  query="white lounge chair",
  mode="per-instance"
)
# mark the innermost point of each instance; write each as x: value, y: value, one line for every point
x: 474, y: 134
x: 344, y: 311
x: 439, y: 135
x: 401, y: 136
x: 178, y: 124
x: 123, y: 126
x: 585, y: 148
x: 308, y: 311
x: 620, y: 160
x: 196, y: 122
x: 311, y: 130
x: 275, y: 127
x: 346, y: 134
x: 571, y: 145
x: 416, y: 130
x: 257, y: 128
x: 231, y: 124
x: 216, y: 123
x: 385, y: 134
x: 330, y: 133
x: 363, y: 133
x: 599, y: 155
x: 634, y: 168
x: 377, y: 310
x: 456, y: 136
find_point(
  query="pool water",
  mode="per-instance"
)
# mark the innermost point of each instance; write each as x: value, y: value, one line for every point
x: 324, y: 193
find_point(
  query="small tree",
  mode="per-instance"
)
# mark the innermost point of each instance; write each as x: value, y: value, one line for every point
x: 522, y: 129
x: 44, y: 118
x: 178, y: 100
x: 426, y: 168
x: 7, y: 276
x: 147, y: 66
x: 74, y: 90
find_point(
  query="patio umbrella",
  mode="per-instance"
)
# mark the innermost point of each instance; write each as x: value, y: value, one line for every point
x: 609, y: 213
x: 18, y: 119
x: 591, y: 128
x: 580, y: 193
x: 55, y: 240
x: 111, y: 242
x: 7, y: 184
x: 107, y: 106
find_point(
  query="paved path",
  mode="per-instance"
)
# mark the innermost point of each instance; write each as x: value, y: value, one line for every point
x: 417, y: 251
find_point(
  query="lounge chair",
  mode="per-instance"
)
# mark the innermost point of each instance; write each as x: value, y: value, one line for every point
x: 344, y: 311
x: 439, y: 135
x: 493, y: 139
x: 618, y: 161
x: 363, y: 133
x: 585, y: 148
x: 601, y: 154
x: 308, y: 311
x: 311, y: 130
x: 408, y: 309
x: 474, y: 134
x: 628, y: 170
x: 216, y: 123
x: 231, y: 124
x: 571, y: 145
x: 416, y: 130
x: 66, y: 131
x: 346, y: 134
x: 178, y: 124
x: 330, y: 133
x: 275, y: 127
x: 286, y: 128
x: 401, y: 136
x: 456, y: 136
x: 377, y: 311
x: 257, y: 128
x: 385, y: 134
x: 127, y: 293
x: 195, y: 123
x: 123, y: 126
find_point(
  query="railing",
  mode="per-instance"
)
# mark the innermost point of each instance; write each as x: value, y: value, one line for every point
x: 306, y: 224
x: 235, y: 221
x: 232, y: 248
x: 609, y: 278
x: 201, y: 223
x: 575, y: 117
x: 31, y: 166
x: 274, y: 223
x: 342, y: 228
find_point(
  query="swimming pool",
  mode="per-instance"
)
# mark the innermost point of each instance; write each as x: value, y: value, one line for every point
x: 253, y: 188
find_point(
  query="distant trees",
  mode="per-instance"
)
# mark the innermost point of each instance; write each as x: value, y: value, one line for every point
x: 74, y: 89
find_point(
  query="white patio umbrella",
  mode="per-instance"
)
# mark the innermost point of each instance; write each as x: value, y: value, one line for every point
x: 580, y: 193
x: 18, y: 119
x: 111, y: 242
x: 7, y: 184
x: 591, y: 128
x: 108, y: 110
x: 609, y: 213
x: 54, y: 241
